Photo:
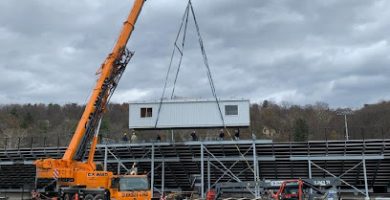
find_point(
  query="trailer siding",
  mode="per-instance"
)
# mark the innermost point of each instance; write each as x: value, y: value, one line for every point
x: 189, y: 114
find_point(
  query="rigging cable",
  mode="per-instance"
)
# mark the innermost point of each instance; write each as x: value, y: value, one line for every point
x: 209, y: 75
x: 211, y: 82
x: 206, y: 63
x: 184, y: 23
x: 175, y: 46
x: 181, y: 50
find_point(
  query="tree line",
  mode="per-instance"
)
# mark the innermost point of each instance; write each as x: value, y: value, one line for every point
x: 269, y: 120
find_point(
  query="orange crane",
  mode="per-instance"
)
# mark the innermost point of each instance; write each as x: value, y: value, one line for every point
x: 75, y: 175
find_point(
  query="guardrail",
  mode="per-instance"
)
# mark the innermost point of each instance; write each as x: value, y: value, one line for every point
x: 329, y: 133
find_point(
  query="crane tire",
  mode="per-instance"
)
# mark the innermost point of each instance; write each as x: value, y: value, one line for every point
x: 99, y: 197
x: 89, y: 197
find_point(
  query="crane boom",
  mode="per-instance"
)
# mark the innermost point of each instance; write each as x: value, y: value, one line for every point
x: 110, y: 73
x: 71, y: 176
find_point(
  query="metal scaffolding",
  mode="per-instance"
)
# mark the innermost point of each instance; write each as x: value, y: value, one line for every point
x: 201, y: 165
x: 220, y: 164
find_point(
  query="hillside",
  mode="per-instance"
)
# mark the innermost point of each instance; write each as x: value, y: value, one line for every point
x: 268, y: 120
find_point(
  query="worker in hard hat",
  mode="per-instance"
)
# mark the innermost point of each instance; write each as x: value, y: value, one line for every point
x: 194, y: 136
x: 133, y: 137
x: 134, y: 169
x: 158, y: 139
x: 237, y: 134
x: 221, y: 134
x: 124, y: 137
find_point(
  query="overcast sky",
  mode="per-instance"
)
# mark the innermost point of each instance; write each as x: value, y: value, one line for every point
x: 302, y: 52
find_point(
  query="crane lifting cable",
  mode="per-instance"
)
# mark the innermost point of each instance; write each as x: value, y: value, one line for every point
x: 184, y: 23
x: 179, y: 47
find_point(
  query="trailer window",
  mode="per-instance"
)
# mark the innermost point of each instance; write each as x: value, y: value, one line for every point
x: 146, y: 112
x: 133, y: 183
x: 231, y: 109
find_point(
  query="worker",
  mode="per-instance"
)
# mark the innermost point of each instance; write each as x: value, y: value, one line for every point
x: 221, y: 134
x: 163, y: 197
x: 133, y: 137
x: 237, y: 134
x: 194, y: 136
x: 134, y: 169
x: 125, y: 138
x: 158, y: 139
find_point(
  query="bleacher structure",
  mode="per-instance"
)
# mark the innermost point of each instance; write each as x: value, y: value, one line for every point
x: 362, y: 165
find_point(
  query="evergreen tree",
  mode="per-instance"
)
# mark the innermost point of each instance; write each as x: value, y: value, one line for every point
x: 301, y: 130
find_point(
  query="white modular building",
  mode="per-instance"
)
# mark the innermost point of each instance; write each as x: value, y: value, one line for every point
x: 198, y: 113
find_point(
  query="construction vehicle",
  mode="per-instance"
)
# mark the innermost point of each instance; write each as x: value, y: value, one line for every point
x: 75, y: 175
x: 298, y: 189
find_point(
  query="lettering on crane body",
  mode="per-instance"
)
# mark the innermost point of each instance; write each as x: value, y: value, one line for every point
x: 97, y: 174
x: 129, y: 194
x: 322, y: 182
x: 134, y: 194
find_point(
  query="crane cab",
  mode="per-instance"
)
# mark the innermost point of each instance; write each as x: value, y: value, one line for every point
x: 130, y: 187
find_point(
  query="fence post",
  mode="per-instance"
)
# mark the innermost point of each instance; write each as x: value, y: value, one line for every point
x: 18, y: 143
x: 326, y: 134
x: 22, y: 192
x: 32, y: 140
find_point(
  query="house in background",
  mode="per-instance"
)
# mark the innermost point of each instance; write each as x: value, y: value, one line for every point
x: 198, y: 113
x: 270, y: 132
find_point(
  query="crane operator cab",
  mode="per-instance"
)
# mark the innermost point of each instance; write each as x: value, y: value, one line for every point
x: 130, y: 187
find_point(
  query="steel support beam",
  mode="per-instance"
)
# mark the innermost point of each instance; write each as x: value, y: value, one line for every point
x: 230, y: 174
x: 105, y: 158
x: 365, y: 178
x: 255, y: 171
x: 225, y: 168
x: 310, y: 175
x: 220, y: 142
x: 152, y: 172
x: 17, y: 162
x: 146, y: 144
x: 237, y: 158
x: 231, y: 166
x: 147, y: 160
x: 202, y: 169
x: 326, y: 171
x: 187, y: 143
x: 118, y: 160
x: 208, y: 176
x: 344, y: 157
x: 162, y: 178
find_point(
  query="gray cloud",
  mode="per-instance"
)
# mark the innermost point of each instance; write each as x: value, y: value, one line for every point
x: 298, y: 51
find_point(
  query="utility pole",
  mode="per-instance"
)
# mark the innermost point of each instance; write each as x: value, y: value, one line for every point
x: 345, y: 112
